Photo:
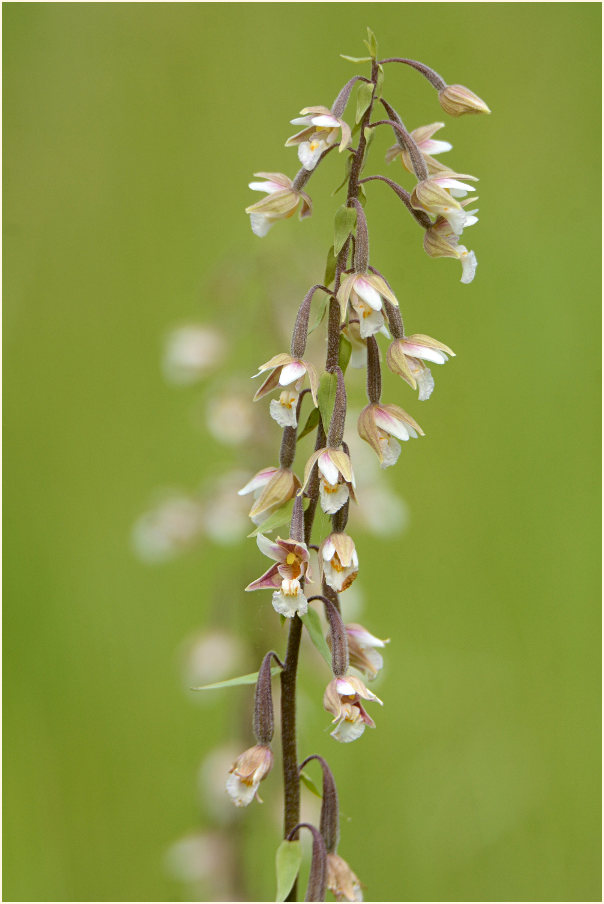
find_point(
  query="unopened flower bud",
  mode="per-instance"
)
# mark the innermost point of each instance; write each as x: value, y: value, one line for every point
x: 341, y: 881
x: 246, y: 774
x: 457, y: 100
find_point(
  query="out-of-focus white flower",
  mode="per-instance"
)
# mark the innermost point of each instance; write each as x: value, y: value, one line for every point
x: 341, y: 881
x: 230, y: 418
x: 211, y: 656
x: 382, y: 425
x: 383, y: 512
x: 190, y: 352
x: 321, y: 132
x: 339, y: 561
x: 427, y: 145
x: 272, y: 488
x: 343, y: 700
x: 285, y: 577
x: 225, y: 515
x: 406, y: 356
x: 363, y: 650
x: 169, y: 529
x: 281, y: 202
x: 210, y: 782
x: 199, y: 857
x: 246, y: 774
x: 336, y: 478
x: 366, y: 293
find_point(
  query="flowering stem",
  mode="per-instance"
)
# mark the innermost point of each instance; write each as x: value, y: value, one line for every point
x: 432, y: 76
x: 419, y: 165
x: 422, y: 218
x: 374, y: 375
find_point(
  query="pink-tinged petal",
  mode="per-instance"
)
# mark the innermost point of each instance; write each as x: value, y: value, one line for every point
x: 391, y: 424
x: 258, y: 480
x: 301, y: 121
x: 328, y: 549
x: 291, y: 372
x: 423, y: 352
x: 368, y: 293
x: 433, y: 146
x: 328, y: 469
x: 268, y: 187
x: 325, y: 120
x: 270, y: 549
x: 269, y: 580
x: 365, y: 715
x: 455, y: 183
x: 343, y: 686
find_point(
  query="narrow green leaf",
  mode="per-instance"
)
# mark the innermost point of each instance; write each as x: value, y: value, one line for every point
x: 307, y: 780
x: 345, y: 221
x: 235, y: 682
x: 315, y: 632
x: 288, y: 860
x: 371, y: 44
x: 379, y: 83
x: 362, y: 196
x: 326, y: 397
x: 311, y: 422
x: 364, y: 95
x: 344, y: 353
x: 352, y: 59
x: 278, y: 518
x: 347, y: 168
x: 321, y: 308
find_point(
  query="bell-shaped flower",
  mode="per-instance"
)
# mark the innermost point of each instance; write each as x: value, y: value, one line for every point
x: 272, y: 488
x: 427, y: 145
x: 363, y: 650
x: 339, y: 561
x: 246, y: 774
x: 441, y: 241
x: 322, y: 131
x: 382, y: 425
x: 336, y: 479
x: 342, y: 699
x: 285, y: 577
x: 285, y: 370
x: 366, y: 293
x: 283, y: 409
x: 406, y: 358
x: 457, y: 100
x: 436, y: 196
x: 341, y: 881
x: 281, y: 202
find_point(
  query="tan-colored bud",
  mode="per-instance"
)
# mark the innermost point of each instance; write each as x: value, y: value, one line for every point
x: 282, y: 487
x: 341, y: 881
x: 457, y: 100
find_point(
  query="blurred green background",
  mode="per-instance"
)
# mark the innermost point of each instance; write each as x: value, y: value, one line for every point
x: 131, y: 131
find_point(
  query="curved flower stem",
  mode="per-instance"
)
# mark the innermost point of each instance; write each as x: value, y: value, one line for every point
x: 433, y: 77
x: 422, y: 218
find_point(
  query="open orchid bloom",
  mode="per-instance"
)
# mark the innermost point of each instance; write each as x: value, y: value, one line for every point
x: 440, y: 240
x: 342, y: 699
x: 282, y: 201
x: 272, y: 488
x: 427, y: 145
x: 382, y: 425
x: 339, y: 561
x: 438, y: 195
x: 363, y: 650
x: 286, y: 576
x: 341, y: 881
x: 406, y: 358
x: 246, y: 774
x: 286, y: 370
x: 322, y: 131
x: 336, y: 479
x: 366, y: 293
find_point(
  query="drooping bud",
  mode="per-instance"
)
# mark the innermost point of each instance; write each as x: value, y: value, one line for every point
x: 457, y: 100
x: 264, y: 719
x: 246, y: 774
x: 330, y: 815
x: 317, y: 879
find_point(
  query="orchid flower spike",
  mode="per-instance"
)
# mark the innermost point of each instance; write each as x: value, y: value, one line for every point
x: 322, y: 132
x: 281, y: 202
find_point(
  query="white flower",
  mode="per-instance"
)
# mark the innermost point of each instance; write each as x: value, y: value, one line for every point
x: 427, y: 145
x: 339, y: 561
x: 284, y: 578
x: 441, y: 240
x: 321, y: 132
x: 281, y: 202
x: 272, y: 488
x: 342, y: 699
x: 406, y: 356
x: 366, y: 293
x: 283, y: 409
x: 363, y: 650
x: 341, y: 881
x: 246, y: 774
x: 336, y: 479
x: 382, y: 425
x: 190, y: 352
